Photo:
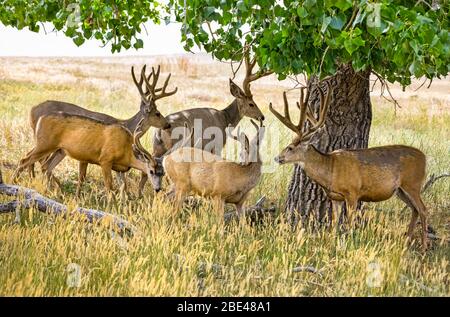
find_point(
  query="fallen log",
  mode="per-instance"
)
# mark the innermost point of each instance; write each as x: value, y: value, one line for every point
x: 29, y: 198
x: 309, y: 269
x: 255, y: 214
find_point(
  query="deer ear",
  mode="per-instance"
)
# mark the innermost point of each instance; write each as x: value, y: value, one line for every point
x: 235, y: 90
x: 247, y: 144
x: 260, y: 135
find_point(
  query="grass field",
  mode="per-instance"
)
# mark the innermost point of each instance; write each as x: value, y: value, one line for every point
x: 190, y: 253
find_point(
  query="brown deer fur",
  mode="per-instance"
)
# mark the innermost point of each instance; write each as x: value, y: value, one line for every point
x: 242, y: 106
x: 192, y: 170
x: 148, y: 114
x: 112, y: 146
x: 350, y: 176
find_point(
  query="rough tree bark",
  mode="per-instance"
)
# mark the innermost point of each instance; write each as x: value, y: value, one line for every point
x: 346, y: 127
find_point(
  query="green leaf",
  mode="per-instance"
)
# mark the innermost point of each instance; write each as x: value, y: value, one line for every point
x: 415, y: 69
x: 241, y: 6
x: 309, y: 3
x: 341, y: 4
x: 209, y: 11
x: 301, y: 12
x: 325, y: 22
x: 337, y: 22
x: 352, y: 44
x: 139, y: 44
x: 79, y: 40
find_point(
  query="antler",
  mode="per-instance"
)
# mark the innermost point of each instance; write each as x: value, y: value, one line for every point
x: 145, y: 96
x: 249, y: 76
x: 138, y: 132
x: 243, y: 139
x: 152, y: 87
x: 305, y: 112
x: 234, y: 137
x: 186, y: 139
x: 141, y: 80
x: 324, y: 104
x: 258, y: 130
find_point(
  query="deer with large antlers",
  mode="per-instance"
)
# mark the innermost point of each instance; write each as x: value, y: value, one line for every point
x: 350, y: 176
x: 148, y: 114
x: 89, y: 141
x: 210, y: 133
x: 192, y: 170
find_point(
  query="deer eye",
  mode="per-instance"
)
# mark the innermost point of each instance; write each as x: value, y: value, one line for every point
x: 252, y: 105
x: 158, y: 114
x: 152, y: 172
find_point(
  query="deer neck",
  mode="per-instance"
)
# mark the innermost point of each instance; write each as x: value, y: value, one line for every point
x: 132, y: 123
x: 255, y: 166
x: 137, y: 164
x: 232, y: 114
x: 318, y: 166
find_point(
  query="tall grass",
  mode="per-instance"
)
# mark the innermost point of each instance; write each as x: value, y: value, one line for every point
x: 191, y: 252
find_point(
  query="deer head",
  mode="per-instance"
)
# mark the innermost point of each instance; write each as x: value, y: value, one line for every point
x: 148, y: 98
x: 250, y: 149
x: 244, y: 98
x: 145, y: 157
x: 295, y: 152
x: 243, y: 140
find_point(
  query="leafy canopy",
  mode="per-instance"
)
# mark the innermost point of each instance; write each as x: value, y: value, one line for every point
x: 112, y: 21
x: 398, y: 39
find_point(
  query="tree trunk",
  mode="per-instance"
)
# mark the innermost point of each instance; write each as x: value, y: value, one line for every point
x: 346, y: 127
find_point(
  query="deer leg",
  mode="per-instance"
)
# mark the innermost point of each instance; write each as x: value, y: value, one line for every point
x: 336, y: 207
x: 107, y: 176
x: 81, y: 176
x: 32, y: 157
x: 31, y: 171
x: 416, y: 200
x: 415, y: 214
x: 144, y: 178
x: 170, y: 195
x: 219, y: 206
x: 180, y: 195
x: 124, y: 185
x: 423, y: 219
x: 351, y: 203
x: 31, y: 167
x: 108, y: 179
x: 240, y: 206
x: 44, y: 162
x: 50, y: 163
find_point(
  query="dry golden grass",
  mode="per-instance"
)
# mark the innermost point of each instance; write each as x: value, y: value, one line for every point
x: 175, y: 251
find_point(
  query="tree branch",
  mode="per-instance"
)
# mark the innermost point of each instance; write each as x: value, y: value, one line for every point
x: 433, y: 178
x: 384, y: 85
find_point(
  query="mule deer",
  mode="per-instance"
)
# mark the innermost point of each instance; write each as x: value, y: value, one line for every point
x: 192, y: 170
x: 349, y: 176
x: 242, y: 106
x: 148, y: 114
x: 112, y: 146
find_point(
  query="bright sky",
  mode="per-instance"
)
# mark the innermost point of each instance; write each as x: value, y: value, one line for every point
x: 162, y: 39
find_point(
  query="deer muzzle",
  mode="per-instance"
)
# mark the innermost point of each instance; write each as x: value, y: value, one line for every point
x: 279, y: 159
